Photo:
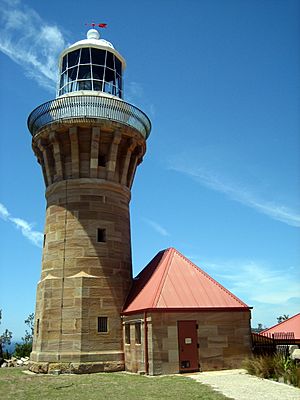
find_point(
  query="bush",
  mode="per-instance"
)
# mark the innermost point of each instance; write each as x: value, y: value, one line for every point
x: 23, y: 349
x: 276, y: 367
x: 262, y: 366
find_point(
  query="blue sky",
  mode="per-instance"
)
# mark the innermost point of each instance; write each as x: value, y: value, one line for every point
x: 220, y: 180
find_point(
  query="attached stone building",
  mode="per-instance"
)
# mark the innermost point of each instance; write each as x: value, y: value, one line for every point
x: 179, y: 319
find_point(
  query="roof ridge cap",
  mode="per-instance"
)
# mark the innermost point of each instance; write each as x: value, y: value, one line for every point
x: 168, y: 252
x: 210, y: 278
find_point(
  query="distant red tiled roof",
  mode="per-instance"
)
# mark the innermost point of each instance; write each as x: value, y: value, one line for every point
x: 289, y: 325
x: 171, y: 281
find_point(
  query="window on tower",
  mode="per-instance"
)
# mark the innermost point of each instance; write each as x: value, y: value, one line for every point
x: 101, y: 235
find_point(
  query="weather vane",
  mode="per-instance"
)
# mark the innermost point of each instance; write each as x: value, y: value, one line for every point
x: 93, y: 24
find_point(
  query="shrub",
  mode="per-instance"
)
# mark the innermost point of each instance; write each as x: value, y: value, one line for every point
x: 262, y: 366
x: 274, y: 367
x: 23, y: 349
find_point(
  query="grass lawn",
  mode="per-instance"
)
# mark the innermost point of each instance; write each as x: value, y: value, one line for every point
x: 16, y: 385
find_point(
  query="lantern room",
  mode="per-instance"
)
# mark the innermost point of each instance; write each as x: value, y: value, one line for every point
x: 91, y: 64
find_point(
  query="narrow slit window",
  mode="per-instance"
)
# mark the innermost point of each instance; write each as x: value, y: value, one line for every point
x: 101, y: 160
x: 102, y: 325
x: 101, y: 235
x: 37, y: 326
x: 44, y: 241
x: 138, y: 336
x: 127, y: 333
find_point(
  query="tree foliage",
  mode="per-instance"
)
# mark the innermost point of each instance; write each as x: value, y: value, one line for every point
x: 282, y: 318
x: 24, y: 349
x: 5, y: 339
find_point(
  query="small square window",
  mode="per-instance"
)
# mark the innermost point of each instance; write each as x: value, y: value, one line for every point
x: 138, y: 336
x: 102, y: 325
x: 101, y: 235
x: 127, y: 333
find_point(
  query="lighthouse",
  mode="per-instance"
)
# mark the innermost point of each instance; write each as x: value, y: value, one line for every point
x: 88, y: 142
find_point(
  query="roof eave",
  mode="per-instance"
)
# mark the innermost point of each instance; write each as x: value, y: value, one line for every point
x: 187, y: 309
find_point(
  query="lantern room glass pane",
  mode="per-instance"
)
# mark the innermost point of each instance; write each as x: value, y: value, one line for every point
x: 110, y: 60
x: 85, y: 56
x: 98, y: 56
x: 64, y: 64
x: 72, y: 73
x: 84, y: 72
x: 73, y: 58
x: 110, y: 76
x: 66, y: 89
x: 108, y: 88
x: 63, y: 79
x: 119, y: 81
x: 85, y: 85
x: 98, y: 72
x: 118, y: 65
x: 97, y: 86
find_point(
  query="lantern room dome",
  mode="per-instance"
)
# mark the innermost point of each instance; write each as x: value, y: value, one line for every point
x: 93, y: 38
x: 91, y: 65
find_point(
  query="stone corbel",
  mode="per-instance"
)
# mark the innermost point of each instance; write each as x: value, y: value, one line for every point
x: 74, y: 151
x: 112, y: 158
x: 57, y: 156
x: 137, y: 156
x: 130, y: 149
x: 95, y: 143
x: 43, y: 150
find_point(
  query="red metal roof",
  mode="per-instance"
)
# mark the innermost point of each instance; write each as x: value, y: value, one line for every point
x: 171, y: 281
x: 290, y: 325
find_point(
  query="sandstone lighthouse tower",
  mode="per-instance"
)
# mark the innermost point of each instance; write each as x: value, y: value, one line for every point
x: 89, y: 142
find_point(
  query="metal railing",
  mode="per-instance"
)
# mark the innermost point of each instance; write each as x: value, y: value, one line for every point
x: 84, y: 108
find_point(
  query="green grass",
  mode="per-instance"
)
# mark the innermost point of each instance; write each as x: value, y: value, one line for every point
x: 16, y: 385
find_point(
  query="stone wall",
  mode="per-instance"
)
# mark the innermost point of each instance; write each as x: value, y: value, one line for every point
x: 86, y: 266
x: 224, y: 340
x: 134, y: 352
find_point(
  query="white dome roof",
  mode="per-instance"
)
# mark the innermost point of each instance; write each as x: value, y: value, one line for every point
x: 93, y: 38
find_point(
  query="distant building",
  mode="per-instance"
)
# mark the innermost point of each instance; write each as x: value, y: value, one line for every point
x: 289, y: 327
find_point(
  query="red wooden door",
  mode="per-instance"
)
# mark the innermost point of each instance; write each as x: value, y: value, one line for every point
x: 187, y: 346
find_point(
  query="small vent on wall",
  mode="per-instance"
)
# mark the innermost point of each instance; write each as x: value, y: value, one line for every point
x: 102, y: 325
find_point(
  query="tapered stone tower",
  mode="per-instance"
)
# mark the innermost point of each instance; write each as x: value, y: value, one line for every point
x: 88, y: 142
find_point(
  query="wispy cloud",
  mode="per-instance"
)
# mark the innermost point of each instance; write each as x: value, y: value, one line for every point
x: 30, y: 42
x: 135, y: 94
x: 157, y: 227
x: 4, y: 214
x: 272, y: 291
x: 25, y: 227
x: 240, y: 194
